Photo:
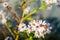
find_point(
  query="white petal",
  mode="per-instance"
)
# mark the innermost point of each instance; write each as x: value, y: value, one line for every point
x: 7, y: 38
x: 49, y: 7
x: 48, y: 24
x: 44, y: 23
x: 27, y: 10
x: 3, y: 21
x: 42, y: 35
x: 40, y: 21
x: 50, y: 27
x: 48, y: 31
x: 1, y: 12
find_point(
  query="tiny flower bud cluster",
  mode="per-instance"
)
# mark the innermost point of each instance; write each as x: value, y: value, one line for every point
x: 3, y: 17
x: 27, y: 10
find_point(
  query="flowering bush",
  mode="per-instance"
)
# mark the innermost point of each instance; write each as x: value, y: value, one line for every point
x: 35, y: 28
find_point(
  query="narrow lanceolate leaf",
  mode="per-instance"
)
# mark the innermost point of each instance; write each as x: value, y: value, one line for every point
x: 29, y: 14
x: 15, y: 32
x: 43, y: 7
x: 29, y: 19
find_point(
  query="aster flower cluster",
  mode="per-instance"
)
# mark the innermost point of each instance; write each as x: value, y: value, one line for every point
x: 50, y: 2
x: 39, y: 27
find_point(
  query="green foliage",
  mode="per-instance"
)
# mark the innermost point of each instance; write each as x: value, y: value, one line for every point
x: 43, y: 7
x: 29, y: 19
x: 30, y: 38
x: 15, y: 31
x: 29, y: 14
x: 32, y: 0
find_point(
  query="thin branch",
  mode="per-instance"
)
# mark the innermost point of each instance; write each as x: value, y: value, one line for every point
x: 6, y: 25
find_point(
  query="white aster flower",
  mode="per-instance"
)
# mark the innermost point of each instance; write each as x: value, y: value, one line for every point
x: 42, y: 35
x: 51, y: 1
x: 42, y: 28
x: 55, y: 1
x: 42, y: 22
x: 39, y: 27
x: 48, y: 1
x: 3, y: 20
x: 22, y: 27
x: 42, y: 31
x: 5, y: 4
x: 3, y: 17
x: 48, y: 31
x: 1, y: 12
x: 33, y: 22
x: 27, y: 10
x: 49, y: 7
x: 37, y: 34
x: 31, y: 28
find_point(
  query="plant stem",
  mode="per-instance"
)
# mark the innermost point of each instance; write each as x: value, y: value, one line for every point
x: 14, y: 13
x: 29, y: 14
x: 6, y: 25
x: 17, y: 36
x: 23, y: 18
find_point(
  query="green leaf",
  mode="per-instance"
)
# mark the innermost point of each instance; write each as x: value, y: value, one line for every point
x: 28, y: 15
x: 29, y: 19
x: 15, y: 32
x: 43, y: 7
x: 7, y: 26
x: 30, y: 38
x: 32, y: 0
